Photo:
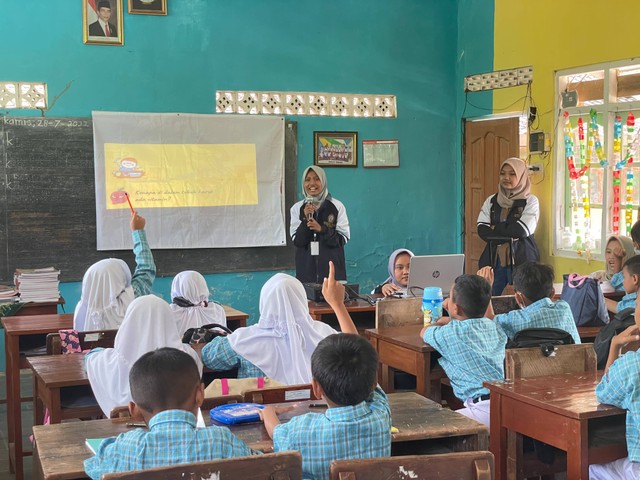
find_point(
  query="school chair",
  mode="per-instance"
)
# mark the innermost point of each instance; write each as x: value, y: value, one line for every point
x: 270, y: 466
x: 397, y: 312
x: 504, y: 304
x: 532, y: 362
x: 208, y: 403
x: 289, y: 393
x: 449, y: 466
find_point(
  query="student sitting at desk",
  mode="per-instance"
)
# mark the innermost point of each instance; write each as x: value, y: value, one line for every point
x: 620, y: 386
x: 108, y: 287
x: 630, y: 275
x: 471, y: 345
x: 280, y: 345
x: 190, y: 302
x: 357, y: 423
x: 167, y: 393
x: 533, y: 283
x: 148, y: 324
x: 398, y: 267
x: 619, y: 248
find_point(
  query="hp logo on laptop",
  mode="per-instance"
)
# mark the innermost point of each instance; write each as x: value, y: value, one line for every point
x: 436, y: 274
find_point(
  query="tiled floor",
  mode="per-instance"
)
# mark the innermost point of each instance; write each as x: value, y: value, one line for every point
x: 27, y: 422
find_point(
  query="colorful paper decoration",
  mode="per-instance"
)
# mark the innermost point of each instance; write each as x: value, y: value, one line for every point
x: 568, y: 150
x: 594, y: 132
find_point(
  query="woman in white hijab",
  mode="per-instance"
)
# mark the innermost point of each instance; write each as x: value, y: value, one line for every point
x: 280, y: 345
x: 108, y: 287
x: 148, y: 324
x: 190, y: 302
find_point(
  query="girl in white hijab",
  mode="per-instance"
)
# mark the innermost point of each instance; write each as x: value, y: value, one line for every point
x: 148, y: 324
x: 108, y: 287
x: 280, y: 345
x: 190, y: 302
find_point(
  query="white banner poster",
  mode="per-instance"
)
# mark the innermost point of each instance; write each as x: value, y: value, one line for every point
x: 200, y: 181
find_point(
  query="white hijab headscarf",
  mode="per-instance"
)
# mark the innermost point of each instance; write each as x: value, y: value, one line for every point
x: 391, y: 267
x: 106, y: 294
x: 282, y: 342
x: 149, y: 324
x: 193, y: 287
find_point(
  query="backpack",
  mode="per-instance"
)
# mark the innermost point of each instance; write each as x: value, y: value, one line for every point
x: 623, y: 319
x: 539, y: 337
x: 205, y: 333
x: 584, y: 296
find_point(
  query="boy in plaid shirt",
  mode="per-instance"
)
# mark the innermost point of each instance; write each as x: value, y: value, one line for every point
x: 620, y: 387
x: 357, y: 423
x: 471, y: 345
x: 533, y: 283
x: 167, y: 393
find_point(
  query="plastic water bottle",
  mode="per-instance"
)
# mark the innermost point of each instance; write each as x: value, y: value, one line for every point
x: 432, y: 304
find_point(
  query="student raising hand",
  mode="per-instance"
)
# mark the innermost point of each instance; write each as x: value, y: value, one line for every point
x: 333, y: 293
x: 137, y: 222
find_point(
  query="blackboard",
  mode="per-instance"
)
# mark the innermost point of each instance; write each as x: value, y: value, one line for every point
x: 47, y: 206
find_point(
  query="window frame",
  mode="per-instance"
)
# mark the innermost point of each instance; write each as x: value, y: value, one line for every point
x: 607, y: 111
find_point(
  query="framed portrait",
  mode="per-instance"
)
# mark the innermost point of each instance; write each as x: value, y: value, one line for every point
x: 335, y: 149
x: 148, y: 7
x: 380, y: 153
x: 102, y: 22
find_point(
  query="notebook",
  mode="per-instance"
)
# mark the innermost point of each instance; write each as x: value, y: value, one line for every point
x: 434, y: 271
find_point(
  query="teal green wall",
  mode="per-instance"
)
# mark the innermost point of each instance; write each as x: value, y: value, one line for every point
x: 176, y: 63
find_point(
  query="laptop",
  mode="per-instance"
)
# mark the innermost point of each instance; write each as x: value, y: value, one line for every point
x: 434, y: 271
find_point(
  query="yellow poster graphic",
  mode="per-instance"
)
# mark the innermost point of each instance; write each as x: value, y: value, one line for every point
x: 181, y: 175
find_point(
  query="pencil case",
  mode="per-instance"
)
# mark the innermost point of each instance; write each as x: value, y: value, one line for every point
x: 235, y: 413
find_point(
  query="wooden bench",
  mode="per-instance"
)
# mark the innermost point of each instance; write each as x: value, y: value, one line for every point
x: 271, y: 466
x: 450, y: 466
x: 396, y: 312
x: 290, y: 393
x: 207, y: 404
x: 88, y: 340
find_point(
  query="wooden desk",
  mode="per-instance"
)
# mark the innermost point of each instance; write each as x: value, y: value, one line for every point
x: 235, y: 318
x: 51, y: 373
x: 362, y: 313
x: 16, y: 330
x: 423, y: 427
x: 403, y: 349
x: 588, y: 334
x: 556, y: 410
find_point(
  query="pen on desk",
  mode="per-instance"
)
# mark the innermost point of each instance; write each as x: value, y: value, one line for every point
x: 317, y: 405
x: 136, y: 424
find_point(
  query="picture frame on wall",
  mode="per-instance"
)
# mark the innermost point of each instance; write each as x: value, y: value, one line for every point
x: 380, y: 153
x: 335, y: 149
x: 148, y: 7
x: 102, y: 22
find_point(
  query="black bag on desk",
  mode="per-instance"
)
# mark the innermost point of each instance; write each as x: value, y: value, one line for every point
x: 586, y: 300
x: 623, y: 320
x: 205, y: 333
x: 537, y: 337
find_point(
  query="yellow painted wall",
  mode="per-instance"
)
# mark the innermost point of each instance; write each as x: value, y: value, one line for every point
x: 554, y: 35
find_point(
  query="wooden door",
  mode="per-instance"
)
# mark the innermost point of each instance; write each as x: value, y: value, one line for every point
x: 486, y: 144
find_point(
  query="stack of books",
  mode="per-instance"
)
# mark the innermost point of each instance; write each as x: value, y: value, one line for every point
x: 8, y: 294
x: 38, y: 284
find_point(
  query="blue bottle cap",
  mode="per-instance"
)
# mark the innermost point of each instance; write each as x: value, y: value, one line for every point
x: 432, y: 293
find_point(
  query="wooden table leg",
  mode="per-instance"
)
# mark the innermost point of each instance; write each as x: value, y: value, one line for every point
x: 498, y: 437
x: 14, y: 410
x: 577, y: 451
x: 423, y: 377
